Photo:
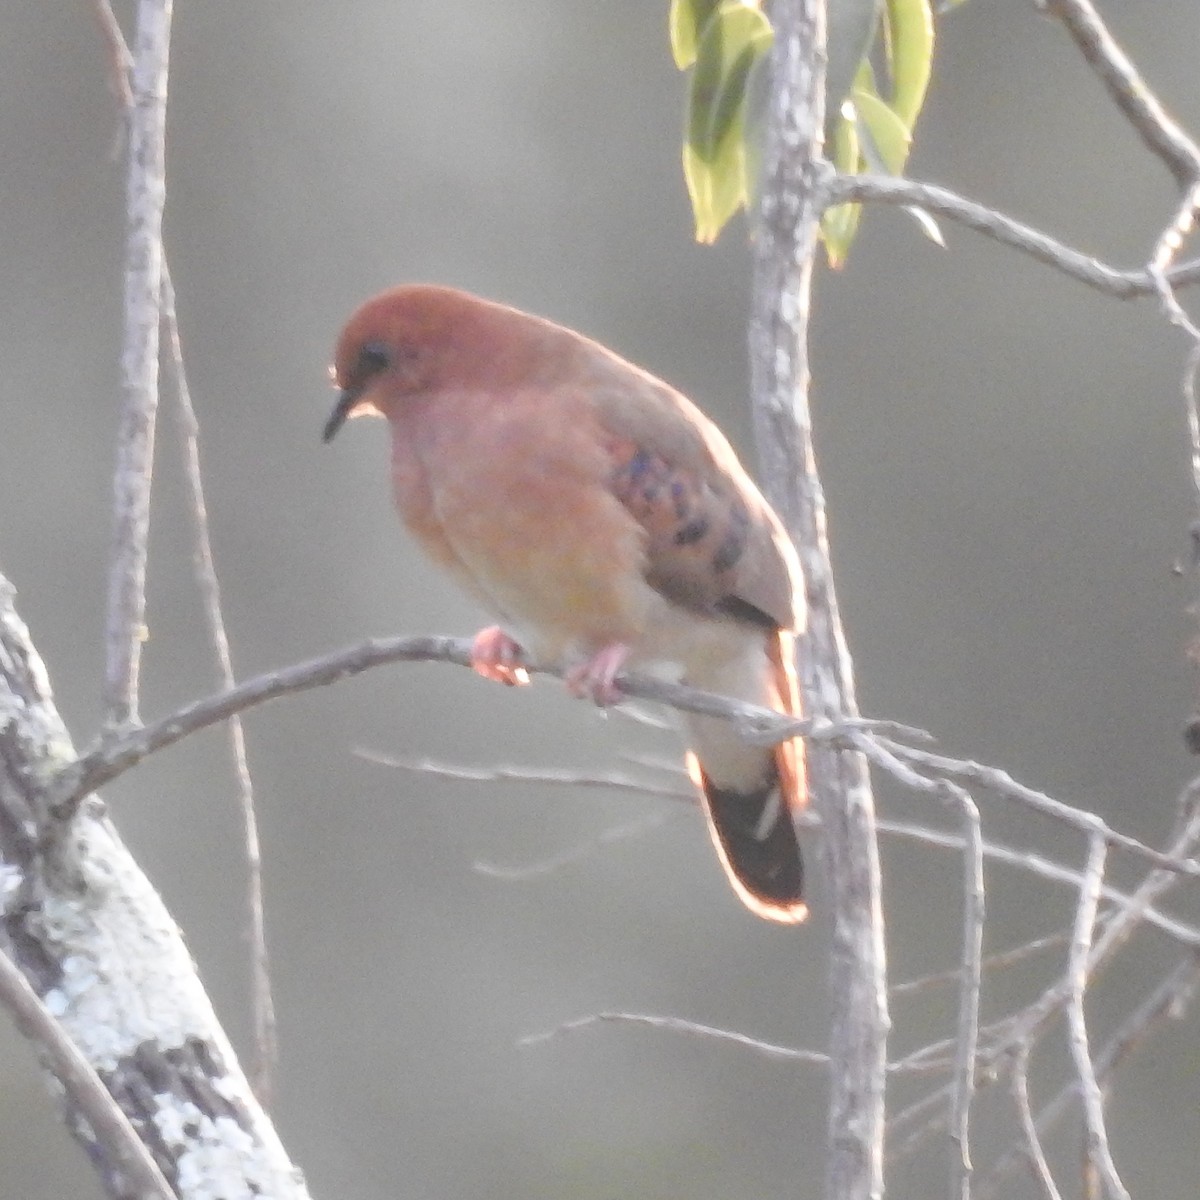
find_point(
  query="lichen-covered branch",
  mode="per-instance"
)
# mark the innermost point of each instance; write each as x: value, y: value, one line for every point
x: 95, y: 943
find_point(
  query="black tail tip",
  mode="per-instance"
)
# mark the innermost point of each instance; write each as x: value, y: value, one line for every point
x: 756, y: 842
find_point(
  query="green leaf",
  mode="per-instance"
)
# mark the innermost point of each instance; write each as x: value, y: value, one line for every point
x: 884, y: 143
x: 910, y: 41
x: 881, y: 132
x: 734, y: 38
x: 717, y: 191
x: 851, y: 31
x: 840, y: 223
x: 755, y: 119
x: 687, y: 20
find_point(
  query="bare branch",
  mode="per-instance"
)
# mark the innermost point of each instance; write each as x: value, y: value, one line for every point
x: 146, y: 195
x: 1180, y: 931
x: 1001, y: 1040
x: 785, y: 247
x: 1122, y: 284
x: 1003, y: 784
x: 84, y: 1088
x: 614, y: 781
x: 1165, y: 1000
x: 1164, y: 138
x: 1099, y: 1152
x: 967, y: 1041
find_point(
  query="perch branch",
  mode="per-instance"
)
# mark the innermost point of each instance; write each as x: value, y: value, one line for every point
x: 114, y: 756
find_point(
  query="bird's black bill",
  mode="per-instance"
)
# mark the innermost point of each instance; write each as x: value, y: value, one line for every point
x: 341, y: 411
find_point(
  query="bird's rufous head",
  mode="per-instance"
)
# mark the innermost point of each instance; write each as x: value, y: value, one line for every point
x: 419, y: 339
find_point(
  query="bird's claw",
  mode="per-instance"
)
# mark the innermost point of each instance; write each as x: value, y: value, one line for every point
x: 594, y: 678
x: 497, y: 656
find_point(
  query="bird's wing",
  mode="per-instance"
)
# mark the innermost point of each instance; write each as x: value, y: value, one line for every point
x: 713, y: 545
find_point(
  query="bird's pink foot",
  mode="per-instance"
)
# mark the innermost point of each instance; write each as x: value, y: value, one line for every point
x: 496, y: 656
x: 593, y: 679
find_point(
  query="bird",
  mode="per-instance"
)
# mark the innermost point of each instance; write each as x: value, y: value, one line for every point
x: 606, y: 523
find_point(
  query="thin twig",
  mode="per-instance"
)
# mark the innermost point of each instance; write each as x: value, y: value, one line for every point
x: 1037, y: 864
x: 613, y: 781
x: 581, y: 850
x: 124, y: 1150
x: 967, y: 1040
x: 146, y: 195
x: 263, y: 1006
x: 970, y: 984
x: 1098, y: 1150
x: 1003, y: 784
x: 1164, y: 138
x: 548, y: 777
x: 769, y: 1050
x: 1020, y: 1092
x: 120, y: 61
x: 993, y: 962
x: 1181, y: 932
x: 1001, y: 1040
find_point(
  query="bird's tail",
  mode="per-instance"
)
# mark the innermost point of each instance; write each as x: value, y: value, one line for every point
x: 751, y: 793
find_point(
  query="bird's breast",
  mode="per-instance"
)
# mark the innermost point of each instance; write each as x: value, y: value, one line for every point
x: 512, y: 497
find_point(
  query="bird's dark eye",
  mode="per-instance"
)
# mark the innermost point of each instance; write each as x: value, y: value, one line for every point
x: 372, y: 359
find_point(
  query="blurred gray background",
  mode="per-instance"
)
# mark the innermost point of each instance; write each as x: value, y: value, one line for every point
x: 1007, y: 476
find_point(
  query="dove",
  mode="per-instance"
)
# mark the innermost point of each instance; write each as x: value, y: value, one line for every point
x: 606, y: 524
